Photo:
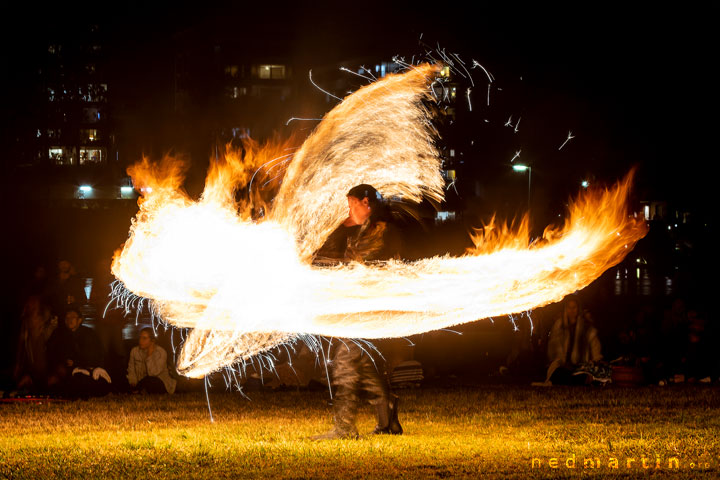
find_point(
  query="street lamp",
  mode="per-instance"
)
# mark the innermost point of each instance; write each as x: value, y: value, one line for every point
x: 522, y: 168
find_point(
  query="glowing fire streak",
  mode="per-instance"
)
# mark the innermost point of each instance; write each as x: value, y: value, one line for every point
x: 245, y: 286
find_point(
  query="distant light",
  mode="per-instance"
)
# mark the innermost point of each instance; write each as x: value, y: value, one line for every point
x: 146, y: 189
x: 669, y: 227
x: 126, y: 189
x: 520, y: 168
x: 85, y: 188
x: 585, y: 183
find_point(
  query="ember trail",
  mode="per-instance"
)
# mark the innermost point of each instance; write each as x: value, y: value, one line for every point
x: 246, y: 285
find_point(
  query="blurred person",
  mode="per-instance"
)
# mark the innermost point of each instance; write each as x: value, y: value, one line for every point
x: 66, y: 289
x: 674, y: 330
x: 366, y: 235
x: 698, y: 361
x: 573, y: 344
x: 638, y: 345
x: 147, y: 368
x: 76, y: 359
x: 39, y: 283
x: 110, y: 319
x: 30, y: 372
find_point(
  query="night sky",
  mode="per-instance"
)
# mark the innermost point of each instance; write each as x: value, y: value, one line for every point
x: 631, y: 82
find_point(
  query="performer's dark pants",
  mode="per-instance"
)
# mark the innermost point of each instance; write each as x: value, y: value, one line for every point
x: 354, y: 374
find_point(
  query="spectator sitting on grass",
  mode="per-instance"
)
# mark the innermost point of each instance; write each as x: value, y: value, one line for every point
x: 76, y: 359
x: 573, y: 343
x: 36, y: 327
x: 147, y: 368
x: 66, y: 290
x: 698, y: 360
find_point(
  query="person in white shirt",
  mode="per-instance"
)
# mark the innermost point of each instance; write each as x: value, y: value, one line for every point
x: 147, y: 367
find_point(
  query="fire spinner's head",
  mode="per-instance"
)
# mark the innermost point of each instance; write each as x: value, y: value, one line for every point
x: 363, y: 201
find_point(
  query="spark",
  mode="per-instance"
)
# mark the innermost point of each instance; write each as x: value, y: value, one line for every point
x: 462, y: 65
x: 344, y: 69
x: 488, y: 94
x: 245, y: 287
x: 318, y: 87
x: 207, y: 398
x: 467, y: 94
x: 509, y: 122
x: 491, y: 78
x: 569, y: 137
x: 517, y: 155
x: 517, y: 124
x: 292, y: 119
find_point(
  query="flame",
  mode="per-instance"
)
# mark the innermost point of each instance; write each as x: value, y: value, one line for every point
x: 246, y: 285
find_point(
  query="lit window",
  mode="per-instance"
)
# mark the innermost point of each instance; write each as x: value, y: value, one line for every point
x: 647, y: 212
x: 88, y: 135
x: 445, y: 72
x: 61, y: 155
x: 452, y: 152
x: 54, y: 133
x: 239, y: 132
x: 236, y: 92
x: 441, y: 217
x: 232, y: 70
x: 91, y: 156
x: 273, y: 72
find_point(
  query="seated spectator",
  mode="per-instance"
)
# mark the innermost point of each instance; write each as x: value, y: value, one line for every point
x: 30, y: 371
x: 698, y: 360
x: 573, y: 346
x: 638, y: 345
x: 66, y: 290
x: 109, y: 320
x: 75, y: 357
x: 147, y: 368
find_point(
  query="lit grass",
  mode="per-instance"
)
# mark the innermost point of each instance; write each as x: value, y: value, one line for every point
x: 493, y: 431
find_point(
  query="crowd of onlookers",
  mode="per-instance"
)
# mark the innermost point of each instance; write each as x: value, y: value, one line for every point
x: 58, y: 355
x: 652, y: 346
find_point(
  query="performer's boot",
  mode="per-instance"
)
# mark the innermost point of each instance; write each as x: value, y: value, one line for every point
x: 344, y: 422
x: 387, y: 417
x: 394, y: 427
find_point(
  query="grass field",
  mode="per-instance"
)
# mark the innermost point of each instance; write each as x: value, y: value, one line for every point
x: 492, y: 431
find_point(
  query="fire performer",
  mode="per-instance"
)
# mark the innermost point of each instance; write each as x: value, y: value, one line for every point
x: 365, y: 236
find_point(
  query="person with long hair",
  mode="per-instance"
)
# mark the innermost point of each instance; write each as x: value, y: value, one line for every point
x: 573, y: 343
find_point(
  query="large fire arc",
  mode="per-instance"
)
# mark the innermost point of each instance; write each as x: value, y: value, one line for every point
x: 245, y: 286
